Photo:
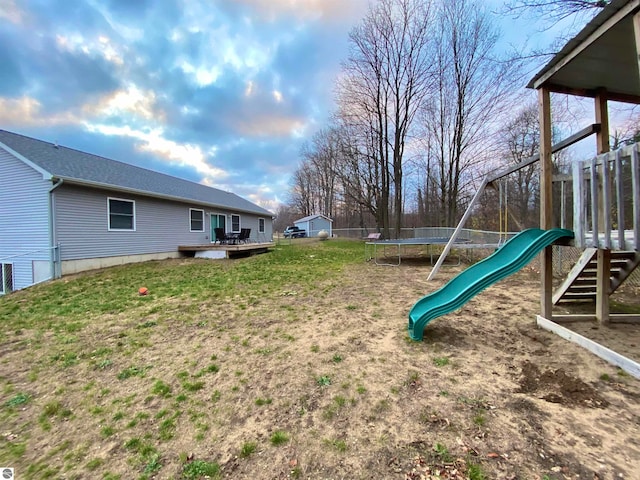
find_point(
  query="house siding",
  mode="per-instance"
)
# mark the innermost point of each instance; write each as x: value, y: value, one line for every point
x: 161, y: 225
x: 24, y: 218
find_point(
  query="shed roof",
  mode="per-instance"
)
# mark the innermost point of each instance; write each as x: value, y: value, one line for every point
x: 311, y: 217
x: 601, y: 56
x: 83, y: 168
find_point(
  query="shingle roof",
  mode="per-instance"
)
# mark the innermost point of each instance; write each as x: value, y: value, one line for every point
x: 88, y: 169
x: 311, y: 217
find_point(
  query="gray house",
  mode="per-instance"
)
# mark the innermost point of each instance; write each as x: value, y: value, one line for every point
x: 64, y: 211
x: 314, y: 223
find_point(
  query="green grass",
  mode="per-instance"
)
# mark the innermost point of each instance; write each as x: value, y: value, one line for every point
x: 475, y: 472
x: 442, y: 453
x: 153, y: 464
x: 279, y: 438
x: 201, y: 469
x: 17, y: 400
x: 131, y: 372
x: 161, y: 389
x: 247, y: 449
x: 69, y: 306
x: 92, y: 340
x: 479, y: 419
x: 193, y: 386
x: 440, y: 361
x: 336, y: 444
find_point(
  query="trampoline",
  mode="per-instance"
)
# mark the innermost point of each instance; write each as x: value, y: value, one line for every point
x: 371, y: 248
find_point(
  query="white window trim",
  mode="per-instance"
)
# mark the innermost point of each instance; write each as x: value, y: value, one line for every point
x: 3, y: 281
x: 239, y: 223
x: 109, y: 215
x: 203, y: 222
x: 264, y: 225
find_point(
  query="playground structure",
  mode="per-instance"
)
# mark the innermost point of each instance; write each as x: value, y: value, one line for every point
x: 600, y: 62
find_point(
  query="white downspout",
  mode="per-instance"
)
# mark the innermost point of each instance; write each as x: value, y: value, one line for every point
x: 52, y: 249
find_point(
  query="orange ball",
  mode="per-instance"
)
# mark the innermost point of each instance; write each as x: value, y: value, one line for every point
x: 143, y: 291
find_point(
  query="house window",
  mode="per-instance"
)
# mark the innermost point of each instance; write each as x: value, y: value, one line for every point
x: 261, y: 225
x: 6, y: 278
x: 122, y: 214
x: 196, y: 220
x: 235, y: 223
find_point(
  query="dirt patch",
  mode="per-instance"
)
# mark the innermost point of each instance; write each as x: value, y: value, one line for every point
x: 557, y: 386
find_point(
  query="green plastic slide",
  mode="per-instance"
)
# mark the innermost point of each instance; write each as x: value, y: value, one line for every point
x: 508, y: 259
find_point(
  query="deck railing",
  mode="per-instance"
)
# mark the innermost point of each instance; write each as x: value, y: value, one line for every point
x: 606, y: 200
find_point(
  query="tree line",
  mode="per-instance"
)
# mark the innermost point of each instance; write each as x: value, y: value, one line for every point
x: 427, y: 103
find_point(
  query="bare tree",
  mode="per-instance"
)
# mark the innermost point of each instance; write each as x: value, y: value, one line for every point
x: 360, y: 171
x: 555, y: 10
x: 473, y: 87
x: 315, y: 180
x: 520, y: 141
x: 285, y: 215
x: 383, y: 85
x: 323, y: 158
x: 303, y: 190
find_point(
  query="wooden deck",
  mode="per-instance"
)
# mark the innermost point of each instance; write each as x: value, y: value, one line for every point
x: 229, y: 249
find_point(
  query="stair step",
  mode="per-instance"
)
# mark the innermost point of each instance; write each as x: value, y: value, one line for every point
x: 620, y: 263
x: 580, y: 284
x: 581, y: 288
x: 575, y: 300
x: 623, y: 255
x: 579, y: 295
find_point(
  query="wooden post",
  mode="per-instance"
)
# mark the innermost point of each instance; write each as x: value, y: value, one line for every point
x: 546, y: 210
x: 636, y: 31
x: 602, y: 144
x: 602, y: 117
x: 579, y: 205
x: 602, y: 285
x: 603, y: 215
x: 635, y: 167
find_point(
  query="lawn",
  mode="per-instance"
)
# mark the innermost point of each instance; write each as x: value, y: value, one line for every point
x: 296, y: 364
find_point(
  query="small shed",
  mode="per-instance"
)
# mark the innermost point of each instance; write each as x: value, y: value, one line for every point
x: 314, y: 223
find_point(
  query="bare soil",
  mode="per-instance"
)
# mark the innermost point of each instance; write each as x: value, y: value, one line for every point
x: 357, y: 398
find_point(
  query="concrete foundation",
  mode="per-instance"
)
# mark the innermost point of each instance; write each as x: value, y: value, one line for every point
x: 212, y: 254
x: 75, y: 266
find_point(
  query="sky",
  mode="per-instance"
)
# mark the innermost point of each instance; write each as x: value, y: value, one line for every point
x: 220, y: 92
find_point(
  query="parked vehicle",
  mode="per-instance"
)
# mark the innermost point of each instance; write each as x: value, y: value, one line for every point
x: 294, y: 232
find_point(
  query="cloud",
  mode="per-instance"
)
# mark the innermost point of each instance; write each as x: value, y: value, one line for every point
x: 153, y: 141
x: 306, y: 10
x: 11, y: 12
x: 265, y: 125
x: 27, y: 111
x: 132, y: 102
x: 219, y: 92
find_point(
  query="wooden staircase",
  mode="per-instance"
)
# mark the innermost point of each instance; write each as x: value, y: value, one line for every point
x: 580, y: 284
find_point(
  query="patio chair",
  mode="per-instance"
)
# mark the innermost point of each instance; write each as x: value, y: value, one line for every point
x: 245, y: 233
x: 221, y: 237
